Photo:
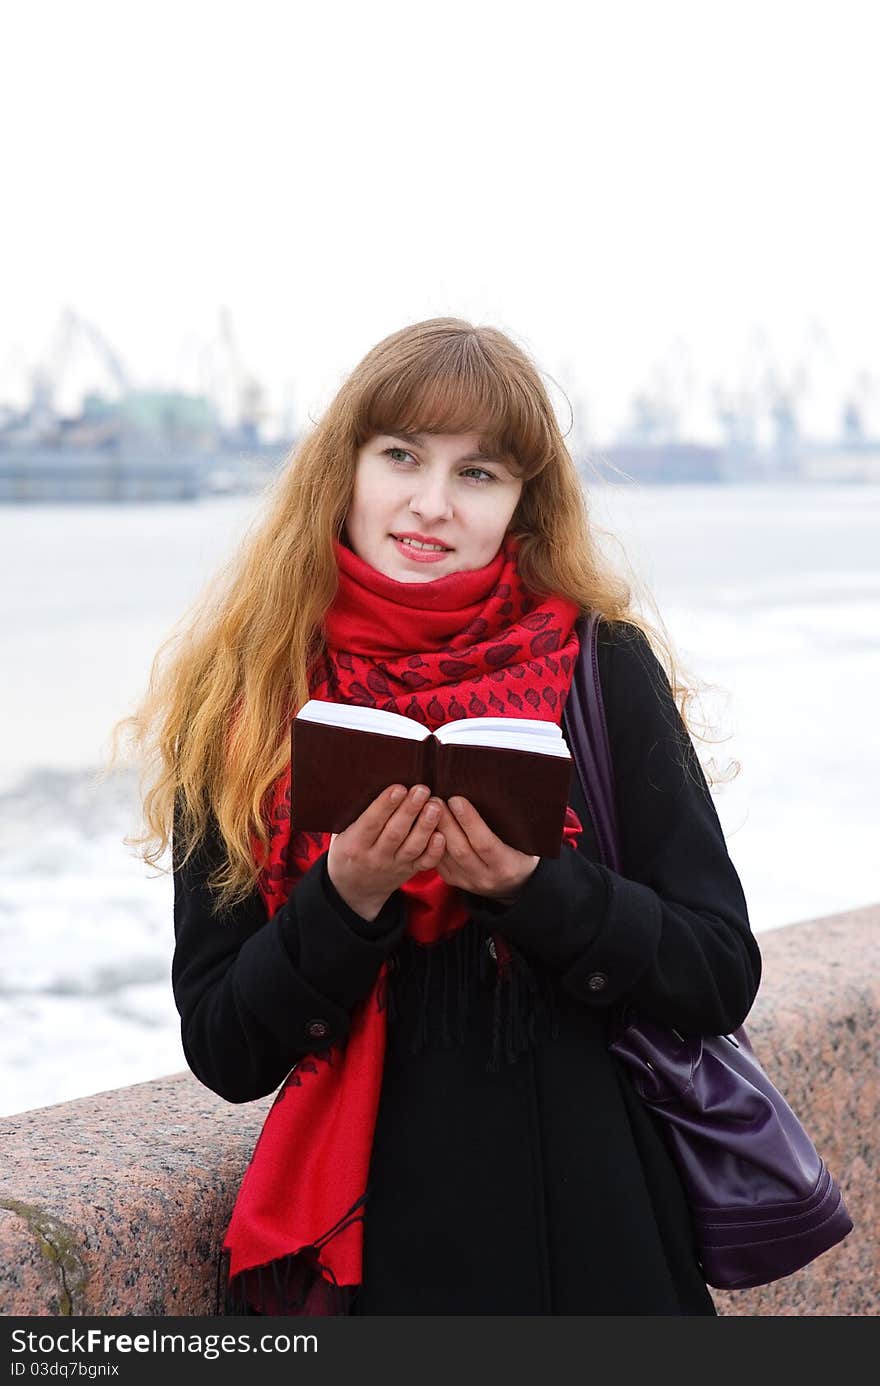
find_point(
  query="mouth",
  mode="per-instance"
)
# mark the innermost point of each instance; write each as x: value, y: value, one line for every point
x: 419, y: 551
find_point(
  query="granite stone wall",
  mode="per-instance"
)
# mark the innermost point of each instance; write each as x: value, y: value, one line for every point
x: 116, y: 1204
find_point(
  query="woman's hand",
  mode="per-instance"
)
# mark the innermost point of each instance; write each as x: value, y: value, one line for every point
x: 475, y: 859
x: 393, y: 839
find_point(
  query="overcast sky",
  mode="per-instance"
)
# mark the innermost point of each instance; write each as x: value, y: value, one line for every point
x: 629, y: 189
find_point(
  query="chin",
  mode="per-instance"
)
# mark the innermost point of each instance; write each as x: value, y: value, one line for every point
x: 402, y: 572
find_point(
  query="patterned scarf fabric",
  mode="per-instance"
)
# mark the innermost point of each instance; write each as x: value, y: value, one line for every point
x: 470, y: 644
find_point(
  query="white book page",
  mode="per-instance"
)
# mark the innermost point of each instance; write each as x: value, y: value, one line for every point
x: 532, y: 726
x: 372, y: 719
x: 508, y: 733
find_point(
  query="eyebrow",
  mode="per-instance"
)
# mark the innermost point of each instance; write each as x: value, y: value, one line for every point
x: 418, y: 439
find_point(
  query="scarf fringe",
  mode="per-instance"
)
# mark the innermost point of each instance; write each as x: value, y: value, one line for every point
x: 437, y: 982
x: 523, y: 1010
x: 299, y: 1284
x: 296, y: 1286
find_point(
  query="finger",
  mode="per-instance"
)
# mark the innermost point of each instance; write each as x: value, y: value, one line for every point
x: 374, y: 817
x: 397, y: 828
x: 458, y: 848
x: 432, y: 855
x: 483, y: 841
x: 420, y: 832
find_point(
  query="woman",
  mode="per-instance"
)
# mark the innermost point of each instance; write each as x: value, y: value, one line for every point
x: 451, y: 1134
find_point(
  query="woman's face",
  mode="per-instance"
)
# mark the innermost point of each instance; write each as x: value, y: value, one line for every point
x: 432, y: 487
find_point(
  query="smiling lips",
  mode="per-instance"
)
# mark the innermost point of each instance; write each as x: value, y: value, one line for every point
x: 419, y: 548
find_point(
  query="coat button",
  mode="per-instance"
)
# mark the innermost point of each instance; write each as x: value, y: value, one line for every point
x: 317, y: 1029
x: 597, y: 981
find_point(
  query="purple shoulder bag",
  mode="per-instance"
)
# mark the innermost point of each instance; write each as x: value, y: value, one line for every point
x: 763, y: 1202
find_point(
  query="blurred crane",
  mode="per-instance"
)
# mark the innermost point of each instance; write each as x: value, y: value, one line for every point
x: 64, y: 353
x: 236, y: 392
x: 859, y: 410
x: 661, y: 410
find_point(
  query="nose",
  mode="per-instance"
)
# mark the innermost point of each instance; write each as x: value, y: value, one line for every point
x: 430, y: 499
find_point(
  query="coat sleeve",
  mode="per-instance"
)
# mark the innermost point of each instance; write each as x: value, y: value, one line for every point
x: 248, y: 988
x: 670, y: 933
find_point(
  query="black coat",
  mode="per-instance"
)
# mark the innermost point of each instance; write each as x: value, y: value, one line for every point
x: 514, y: 1170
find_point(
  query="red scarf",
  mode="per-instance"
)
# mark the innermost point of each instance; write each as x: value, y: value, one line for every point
x: 466, y: 645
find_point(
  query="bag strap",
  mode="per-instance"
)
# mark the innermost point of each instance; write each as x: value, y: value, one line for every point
x: 584, y: 716
x: 588, y: 739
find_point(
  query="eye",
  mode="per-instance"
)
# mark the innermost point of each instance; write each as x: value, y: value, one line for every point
x: 482, y: 479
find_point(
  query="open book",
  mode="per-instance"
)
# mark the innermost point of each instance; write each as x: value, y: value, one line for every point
x: 516, y: 771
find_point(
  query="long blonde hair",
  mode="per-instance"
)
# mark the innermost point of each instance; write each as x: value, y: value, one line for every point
x: 212, y: 732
